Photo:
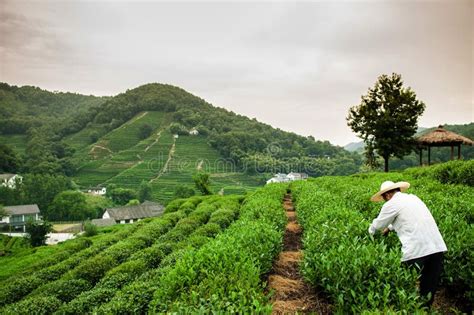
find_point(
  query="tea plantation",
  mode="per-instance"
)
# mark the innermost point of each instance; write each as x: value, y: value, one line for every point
x: 164, y: 160
x: 212, y: 254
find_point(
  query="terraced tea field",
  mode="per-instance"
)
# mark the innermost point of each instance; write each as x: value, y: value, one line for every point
x: 162, y: 159
x: 16, y: 142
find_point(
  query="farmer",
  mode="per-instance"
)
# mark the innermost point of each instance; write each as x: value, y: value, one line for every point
x: 422, y: 243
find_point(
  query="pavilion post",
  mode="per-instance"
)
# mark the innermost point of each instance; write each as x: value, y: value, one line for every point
x: 452, y: 152
x: 429, y: 155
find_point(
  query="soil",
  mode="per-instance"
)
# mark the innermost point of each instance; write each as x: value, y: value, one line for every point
x: 447, y: 303
x: 291, y: 294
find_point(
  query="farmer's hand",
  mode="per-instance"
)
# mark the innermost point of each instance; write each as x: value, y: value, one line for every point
x: 385, y: 231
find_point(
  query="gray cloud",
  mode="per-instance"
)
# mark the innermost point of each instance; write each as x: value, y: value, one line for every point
x: 296, y: 66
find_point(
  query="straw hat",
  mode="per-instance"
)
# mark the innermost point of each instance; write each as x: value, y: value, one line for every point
x: 387, y: 186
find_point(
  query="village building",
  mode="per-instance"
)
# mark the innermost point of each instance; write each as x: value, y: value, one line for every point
x: 278, y: 178
x: 10, y: 180
x: 297, y: 176
x: 283, y: 178
x: 194, y: 132
x: 131, y: 214
x: 99, y: 191
x: 18, y: 216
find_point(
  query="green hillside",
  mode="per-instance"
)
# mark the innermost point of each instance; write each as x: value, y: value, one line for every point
x: 162, y: 159
x: 101, y: 141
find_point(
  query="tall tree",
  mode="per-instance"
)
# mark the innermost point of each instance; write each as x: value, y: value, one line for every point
x: 387, y: 118
x: 41, y: 189
x: 144, y: 191
x: 182, y: 191
x: 203, y: 183
x: 37, y: 232
x: 69, y: 205
x: 121, y: 196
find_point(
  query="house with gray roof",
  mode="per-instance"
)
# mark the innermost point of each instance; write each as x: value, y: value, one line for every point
x: 130, y: 214
x: 19, y: 215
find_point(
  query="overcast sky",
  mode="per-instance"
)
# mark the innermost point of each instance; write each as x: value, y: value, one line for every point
x: 297, y: 66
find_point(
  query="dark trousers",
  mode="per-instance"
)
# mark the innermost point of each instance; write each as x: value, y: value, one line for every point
x: 430, y: 267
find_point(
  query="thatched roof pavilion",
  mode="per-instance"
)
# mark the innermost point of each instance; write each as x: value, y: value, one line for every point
x: 441, y: 137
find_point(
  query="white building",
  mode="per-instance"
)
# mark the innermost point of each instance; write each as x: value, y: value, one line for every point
x: 283, y: 178
x: 278, y: 178
x: 297, y: 176
x: 9, y: 180
x: 100, y: 191
x: 194, y: 132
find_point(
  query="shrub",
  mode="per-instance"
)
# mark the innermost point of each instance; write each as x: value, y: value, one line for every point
x: 208, y: 230
x: 64, y: 290
x: 174, y: 205
x: 223, y: 217
x: 153, y: 255
x: 122, y: 274
x: 93, y: 269
x: 33, y: 305
x: 89, y: 229
x: 37, y: 232
x: 18, y: 288
x: 224, y: 274
x: 86, y: 301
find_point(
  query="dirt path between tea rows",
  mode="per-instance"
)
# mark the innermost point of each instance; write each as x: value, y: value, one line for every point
x: 166, y: 166
x: 291, y: 293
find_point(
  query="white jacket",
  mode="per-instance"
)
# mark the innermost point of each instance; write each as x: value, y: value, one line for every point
x: 414, y: 225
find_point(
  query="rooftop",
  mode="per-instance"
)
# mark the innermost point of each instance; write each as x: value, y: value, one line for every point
x: 6, y: 176
x: 22, y: 209
x: 145, y: 210
x: 441, y: 136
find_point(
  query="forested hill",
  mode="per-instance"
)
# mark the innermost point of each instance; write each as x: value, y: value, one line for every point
x: 254, y: 146
x: 237, y: 137
x: 22, y: 108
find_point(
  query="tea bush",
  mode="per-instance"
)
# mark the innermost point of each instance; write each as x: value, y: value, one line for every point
x: 351, y: 266
x: 224, y: 275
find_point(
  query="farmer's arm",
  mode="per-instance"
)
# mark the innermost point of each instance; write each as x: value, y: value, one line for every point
x: 386, y: 216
